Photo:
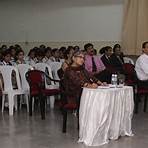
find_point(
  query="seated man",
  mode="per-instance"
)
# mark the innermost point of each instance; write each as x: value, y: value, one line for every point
x: 94, y: 65
x: 142, y: 65
x: 117, y: 59
x: 106, y: 56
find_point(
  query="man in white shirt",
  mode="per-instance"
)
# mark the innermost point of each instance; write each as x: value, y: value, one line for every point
x: 141, y: 66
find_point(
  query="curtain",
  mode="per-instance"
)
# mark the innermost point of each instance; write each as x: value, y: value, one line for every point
x: 135, y: 26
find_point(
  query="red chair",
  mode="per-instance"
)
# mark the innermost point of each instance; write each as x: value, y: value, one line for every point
x: 66, y: 106
x: 142, y: 90
x: 36, y: 80
x: 130, y: 74
x: 65, y: 109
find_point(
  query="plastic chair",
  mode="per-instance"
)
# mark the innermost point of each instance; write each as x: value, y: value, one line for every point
x: 55, y: 66
x: 48, y: 84
x: 7, y: 72
x: 36, y: 80
x: 23, y: 69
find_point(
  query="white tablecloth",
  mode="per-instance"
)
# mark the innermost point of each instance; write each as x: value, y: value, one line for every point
x: 105, y: 114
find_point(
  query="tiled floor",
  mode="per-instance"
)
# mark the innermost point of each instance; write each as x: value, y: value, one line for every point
x: 22, y: 131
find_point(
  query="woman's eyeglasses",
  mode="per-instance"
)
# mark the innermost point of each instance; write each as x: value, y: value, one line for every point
x: 81, y: 57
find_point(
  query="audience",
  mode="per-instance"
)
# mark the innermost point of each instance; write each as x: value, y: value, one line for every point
x: 99, y: 66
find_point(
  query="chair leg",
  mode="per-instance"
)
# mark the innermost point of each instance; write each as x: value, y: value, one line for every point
x: 11, y: 103
x: 64, y: 120
x: 30, y: 106
x: 145, y: 103
x: 136, y: 103
x: 52, y: 100
x: 42, y: 106
x: 27, y: 98
x: 3, y: 102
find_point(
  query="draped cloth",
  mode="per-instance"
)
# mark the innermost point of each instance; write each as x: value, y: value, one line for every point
x: 105, y: 114
x: 135, y: 25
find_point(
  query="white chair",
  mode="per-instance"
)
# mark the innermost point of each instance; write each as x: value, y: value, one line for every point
x: 46, y: 68
x: 23, y: 69
x: 8, y: 89
x: 55, y: 66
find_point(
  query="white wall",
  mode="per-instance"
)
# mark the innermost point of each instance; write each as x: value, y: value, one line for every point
x: 60, y: 20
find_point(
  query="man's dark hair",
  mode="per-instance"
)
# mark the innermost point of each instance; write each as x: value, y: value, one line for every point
x: 144, y: 44
x: 88, y: 45
x: 116, y: 46
x: 6, y: 52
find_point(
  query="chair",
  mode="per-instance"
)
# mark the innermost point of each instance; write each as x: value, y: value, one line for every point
x: 23, y: 69
x: 48, y: 84
x: 142, y: 90
x: 7, y: 72
x: 130, y: 74
x: 65, y: 106
x: 36, y: 80
x: 139, y: 89
x: 55, y: 66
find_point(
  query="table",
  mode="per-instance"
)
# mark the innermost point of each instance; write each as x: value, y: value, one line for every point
x: 105, y: 114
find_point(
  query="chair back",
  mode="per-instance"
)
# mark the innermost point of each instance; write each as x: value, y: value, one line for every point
x: 36, y: 81
x: 55, y: 66
x: 46, y: 69
x: 23, y: 69
x: 10, y: 74
x: 130, y: 73
x: 129, y: 68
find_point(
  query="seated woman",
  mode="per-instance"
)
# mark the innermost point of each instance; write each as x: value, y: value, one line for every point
x: 76, y: 77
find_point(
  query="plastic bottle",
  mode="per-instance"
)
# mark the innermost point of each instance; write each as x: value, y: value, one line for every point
x: 114, y: 80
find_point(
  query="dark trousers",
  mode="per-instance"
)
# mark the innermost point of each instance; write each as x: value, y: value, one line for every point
x: 104, y: 76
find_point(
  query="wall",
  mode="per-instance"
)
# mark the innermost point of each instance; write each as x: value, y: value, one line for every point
x: 30, y: 22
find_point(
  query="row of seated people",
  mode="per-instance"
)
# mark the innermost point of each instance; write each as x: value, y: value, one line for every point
x: 91, y: 64
x: 99, y: 66
x: 14, y: 57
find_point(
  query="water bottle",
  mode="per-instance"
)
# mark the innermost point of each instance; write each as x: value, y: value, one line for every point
x: 114, y: 80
